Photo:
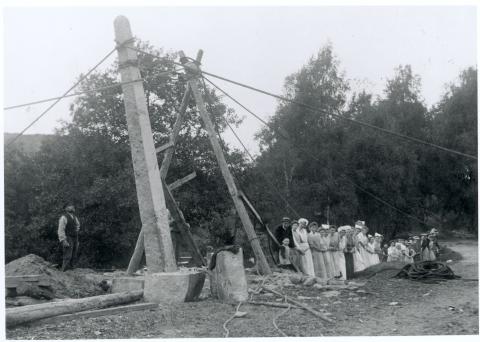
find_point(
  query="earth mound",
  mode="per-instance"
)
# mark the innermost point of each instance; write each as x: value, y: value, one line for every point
x: 77, y: 283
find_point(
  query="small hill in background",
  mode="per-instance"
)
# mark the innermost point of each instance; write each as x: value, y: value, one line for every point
x: 30, y: 143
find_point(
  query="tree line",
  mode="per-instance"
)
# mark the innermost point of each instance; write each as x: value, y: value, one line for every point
x: 317, y: 161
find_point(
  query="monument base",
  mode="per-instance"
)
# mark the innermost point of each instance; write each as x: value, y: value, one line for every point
x: 173, y: 287
x: 123, y: 284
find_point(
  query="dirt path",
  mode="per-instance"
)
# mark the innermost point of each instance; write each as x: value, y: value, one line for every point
x: 447, y: 308
x: 450, y: 308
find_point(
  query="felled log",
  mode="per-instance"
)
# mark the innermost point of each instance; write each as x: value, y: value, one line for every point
x: 29, y: 313
x: 97, y: 313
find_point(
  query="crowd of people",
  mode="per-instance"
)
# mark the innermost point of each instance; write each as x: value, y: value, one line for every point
x: 328, y: 252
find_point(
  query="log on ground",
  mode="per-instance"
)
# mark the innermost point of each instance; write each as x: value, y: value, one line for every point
x: 29, y: 313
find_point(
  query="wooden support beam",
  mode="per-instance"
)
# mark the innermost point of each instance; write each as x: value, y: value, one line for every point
x: 263, y: 266
x: 167, y: 158
x: 182, y: 225
x: 163, y: 147
x: 257, y: 215
x: 151, y: 200
x: 178, y: 183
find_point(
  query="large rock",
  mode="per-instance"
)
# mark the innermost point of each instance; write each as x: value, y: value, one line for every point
x: 173, y: 287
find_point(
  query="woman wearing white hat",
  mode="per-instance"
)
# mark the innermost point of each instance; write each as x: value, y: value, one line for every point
x: 359, y: 260
x: 338, y: 256
x: 300, y: 238
x: 327, y: 256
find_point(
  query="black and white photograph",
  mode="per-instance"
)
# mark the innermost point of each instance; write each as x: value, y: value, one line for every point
x: 239, y: 170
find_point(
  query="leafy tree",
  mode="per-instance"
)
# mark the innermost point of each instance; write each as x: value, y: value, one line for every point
x: 89, y: 162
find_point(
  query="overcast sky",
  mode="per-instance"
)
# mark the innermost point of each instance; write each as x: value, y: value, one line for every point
x: 46, y: 49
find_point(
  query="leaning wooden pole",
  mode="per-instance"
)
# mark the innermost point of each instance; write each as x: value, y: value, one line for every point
x: 151, y: 200
x: 194, y: 71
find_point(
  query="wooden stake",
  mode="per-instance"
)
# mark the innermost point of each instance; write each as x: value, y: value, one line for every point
x: 263, y: 266
x: 151, y: 200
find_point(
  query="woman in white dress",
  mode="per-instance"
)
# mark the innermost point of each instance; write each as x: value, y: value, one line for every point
x: 327, y: 256
x: 373, y: 258
x: 339, y: 257
x: 333, y: 249
x: 362, y: 241
x: 300, y: 238
x: 358, y: 262
x: 314, y: 240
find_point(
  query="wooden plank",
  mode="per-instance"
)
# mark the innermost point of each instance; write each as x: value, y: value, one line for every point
x: 163, y: 147
x: 194, y: 84
x: 98, y: 313
x: 15, y: 281
x: 30, y: 313
x: 178, y: 183
x: 182, y: 225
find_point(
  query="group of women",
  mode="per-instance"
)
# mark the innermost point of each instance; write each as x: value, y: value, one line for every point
x: 327, y: 252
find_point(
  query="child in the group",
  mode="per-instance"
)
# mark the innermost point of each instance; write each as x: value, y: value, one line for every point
x: 410, y: 253
x: 384, y: 252
x: 284, y: 255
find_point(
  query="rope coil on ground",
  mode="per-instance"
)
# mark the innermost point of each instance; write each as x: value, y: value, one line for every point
x: 427, y: 271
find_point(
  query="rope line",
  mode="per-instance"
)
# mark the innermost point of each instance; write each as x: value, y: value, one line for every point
x: 72, y: 95
x: 227, y: 331
x: 61, y: 97
x: 361, y: 123
x: 154, y: 56
x: 312, y: 156
x: 166, y: 73
x: 272, y: 186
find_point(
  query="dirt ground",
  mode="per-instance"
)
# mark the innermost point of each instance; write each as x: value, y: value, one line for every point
x: 447, y: 308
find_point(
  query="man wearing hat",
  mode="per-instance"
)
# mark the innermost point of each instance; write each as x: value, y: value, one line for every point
x: 68, y: 227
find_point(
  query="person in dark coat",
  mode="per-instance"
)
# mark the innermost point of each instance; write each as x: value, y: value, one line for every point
x: 282, y: 232
x: 68, y: 228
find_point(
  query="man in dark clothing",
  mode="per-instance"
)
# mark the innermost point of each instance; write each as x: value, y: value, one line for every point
x: 284, y: 231
x: 68, y: 227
